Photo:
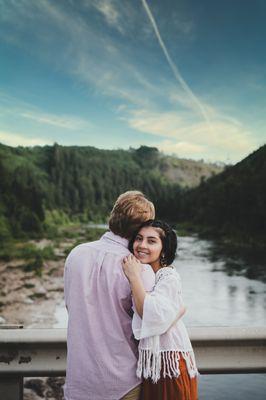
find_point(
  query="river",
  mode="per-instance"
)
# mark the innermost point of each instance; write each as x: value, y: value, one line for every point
x: 214, y: 298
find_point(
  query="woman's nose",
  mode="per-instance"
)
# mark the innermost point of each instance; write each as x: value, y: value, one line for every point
x: 143, y: 244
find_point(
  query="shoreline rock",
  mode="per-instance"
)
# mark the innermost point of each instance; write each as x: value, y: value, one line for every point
x: 44, y: 388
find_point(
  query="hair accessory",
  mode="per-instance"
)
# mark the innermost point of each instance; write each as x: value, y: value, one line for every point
x: 163, y: 260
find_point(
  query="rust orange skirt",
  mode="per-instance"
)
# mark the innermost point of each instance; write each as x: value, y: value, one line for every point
x: 181, y: 388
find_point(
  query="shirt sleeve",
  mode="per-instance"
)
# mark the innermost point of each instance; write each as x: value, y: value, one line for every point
x: 162, y: 305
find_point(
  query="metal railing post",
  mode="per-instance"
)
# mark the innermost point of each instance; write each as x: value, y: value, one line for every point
x: 11, y: 387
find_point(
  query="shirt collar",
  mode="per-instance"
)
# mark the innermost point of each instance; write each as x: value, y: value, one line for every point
x: 115, y: 238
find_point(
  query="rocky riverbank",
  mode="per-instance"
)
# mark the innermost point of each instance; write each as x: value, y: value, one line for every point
x: 31, y: 300
x: 27, y: 298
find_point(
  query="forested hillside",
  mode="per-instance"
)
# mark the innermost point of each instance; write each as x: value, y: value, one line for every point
x: 42, y: 185
x: 232, y: 203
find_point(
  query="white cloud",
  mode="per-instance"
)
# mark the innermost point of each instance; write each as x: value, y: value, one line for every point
x: 108, y: 10
x: 17, y: 139
x: 122, y: 16
x: 166, y: 124
x: 185, y: 136
x: 181, y: 148
x: 13, y: 107
x: 63, y: 121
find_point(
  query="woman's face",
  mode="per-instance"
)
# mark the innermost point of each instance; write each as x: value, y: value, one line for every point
x: 147, y: 247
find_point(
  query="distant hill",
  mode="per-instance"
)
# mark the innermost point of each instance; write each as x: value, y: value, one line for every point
x: 232, y: 203
x: 188, y: 173
x: 42, y: 185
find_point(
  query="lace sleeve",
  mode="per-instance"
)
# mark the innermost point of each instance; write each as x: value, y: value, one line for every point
x: 162, y: 306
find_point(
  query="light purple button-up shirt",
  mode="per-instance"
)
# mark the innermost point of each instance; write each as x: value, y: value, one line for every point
x: 101, y: 353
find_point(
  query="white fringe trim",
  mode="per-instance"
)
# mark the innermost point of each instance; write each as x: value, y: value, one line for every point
x: 166, y: 362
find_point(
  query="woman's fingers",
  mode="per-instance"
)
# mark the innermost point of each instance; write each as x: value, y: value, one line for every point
x: 131, y: 266
x: 129, y: 259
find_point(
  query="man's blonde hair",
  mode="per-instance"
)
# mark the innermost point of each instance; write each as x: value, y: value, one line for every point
x: 130, y: 210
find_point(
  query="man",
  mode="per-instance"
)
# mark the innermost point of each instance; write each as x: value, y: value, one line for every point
x: 102, y: 354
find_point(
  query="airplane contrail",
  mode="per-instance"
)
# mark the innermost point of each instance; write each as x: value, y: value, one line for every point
x: 173, y: 67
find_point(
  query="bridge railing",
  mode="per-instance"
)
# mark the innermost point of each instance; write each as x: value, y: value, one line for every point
x: 42, y: 352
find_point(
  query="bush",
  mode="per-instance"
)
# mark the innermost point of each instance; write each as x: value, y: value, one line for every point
x: 5, y: 233
x: 27, y: 251
x: 36, y: 265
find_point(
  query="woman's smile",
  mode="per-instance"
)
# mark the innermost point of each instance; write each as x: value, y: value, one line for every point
x: 142, y: 255
x: 142, y: 252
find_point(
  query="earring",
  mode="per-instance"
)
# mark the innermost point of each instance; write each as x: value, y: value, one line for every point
x: 163, y: 261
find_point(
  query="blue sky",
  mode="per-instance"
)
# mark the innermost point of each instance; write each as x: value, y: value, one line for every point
x: 186, y: 76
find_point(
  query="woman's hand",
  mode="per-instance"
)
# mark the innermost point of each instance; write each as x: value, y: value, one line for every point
x: 180, y: 314
x: 131, y: 267
x: 182, y: 311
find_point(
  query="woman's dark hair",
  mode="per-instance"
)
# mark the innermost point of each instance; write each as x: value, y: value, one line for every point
x: 167, y: 236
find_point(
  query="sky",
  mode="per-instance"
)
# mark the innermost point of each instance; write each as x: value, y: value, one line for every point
x: 185, y: 76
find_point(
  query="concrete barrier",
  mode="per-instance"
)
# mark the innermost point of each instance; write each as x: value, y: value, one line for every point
x: 42, y: 352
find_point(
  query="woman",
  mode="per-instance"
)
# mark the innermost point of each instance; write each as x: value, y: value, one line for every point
x: 166, y: 358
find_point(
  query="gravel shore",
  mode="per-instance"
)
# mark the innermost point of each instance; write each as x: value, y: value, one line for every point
x: 31, y: 300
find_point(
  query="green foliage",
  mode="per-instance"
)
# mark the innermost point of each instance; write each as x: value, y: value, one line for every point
x: 7, y: 251
x: 26, y: 251
x: 46, y: 188
x: 231, y: 204
x: 36, y: 265
x: 146, y: 157
x: 21, y: 192
x: 48, y: 253
x: 5, y: 233
x: 54, y: 219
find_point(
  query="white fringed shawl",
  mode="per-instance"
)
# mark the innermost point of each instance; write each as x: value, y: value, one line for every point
x: 162, y: 335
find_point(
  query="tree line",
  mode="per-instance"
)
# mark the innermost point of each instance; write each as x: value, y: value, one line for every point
x: 80, y: 182
x: 232, y: 203
x: 41, y: 183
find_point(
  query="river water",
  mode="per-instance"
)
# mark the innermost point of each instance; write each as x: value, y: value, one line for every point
x: 213, y: 298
